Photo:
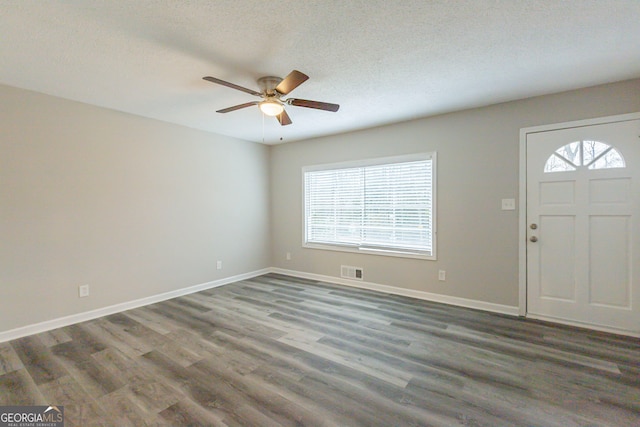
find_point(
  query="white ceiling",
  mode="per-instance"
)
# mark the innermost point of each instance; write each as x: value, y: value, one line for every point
x: 383, y: 61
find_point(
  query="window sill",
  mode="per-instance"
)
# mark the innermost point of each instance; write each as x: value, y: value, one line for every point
x: 370, y: 251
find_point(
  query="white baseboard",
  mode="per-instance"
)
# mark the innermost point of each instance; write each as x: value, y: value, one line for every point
x: 428, y: 296
x: 117, y: 308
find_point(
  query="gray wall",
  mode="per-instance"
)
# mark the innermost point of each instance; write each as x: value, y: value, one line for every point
x: 478, y: 165
x: 131, y: 206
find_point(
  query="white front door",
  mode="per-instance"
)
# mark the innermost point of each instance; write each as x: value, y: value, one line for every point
x: 583, y: 225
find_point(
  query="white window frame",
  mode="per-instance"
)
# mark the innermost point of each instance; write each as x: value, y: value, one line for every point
x: 374, y: 251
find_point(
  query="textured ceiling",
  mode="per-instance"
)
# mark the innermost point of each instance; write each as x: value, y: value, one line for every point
x: 382, y: 61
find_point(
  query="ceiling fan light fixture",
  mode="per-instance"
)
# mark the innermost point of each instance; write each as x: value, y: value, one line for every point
x: 271, y: 107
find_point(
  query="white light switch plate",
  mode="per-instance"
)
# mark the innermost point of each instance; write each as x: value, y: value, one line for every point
x: 508, y: 204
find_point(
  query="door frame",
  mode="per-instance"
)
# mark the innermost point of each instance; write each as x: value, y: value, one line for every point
x: 522, y: 204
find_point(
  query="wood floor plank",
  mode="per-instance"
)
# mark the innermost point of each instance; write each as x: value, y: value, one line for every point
x: 80, y: 409
x: 125, y: 411
x: 18, y: 388
x: 151, y: 392
x: 525, y: 348
x: 153, y: 321
x: 56, y: 336
x: 116, y: 336
x: 283, y: 351
x: 248, y: 392
x: 9, y: 360
x: 188, y: 413
x: 194, y: 343
x: 358, y: 362
x: 38, y: 360
x: 87, y: 372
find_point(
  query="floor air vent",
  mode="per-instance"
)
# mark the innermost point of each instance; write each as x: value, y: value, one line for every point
x: 349, y: 272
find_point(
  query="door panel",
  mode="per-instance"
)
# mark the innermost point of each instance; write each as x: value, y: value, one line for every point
x: 606, y: 191
x: 583, y: 207
x: 610, y: 278
x: 557, y: 193
x: 557, y: 257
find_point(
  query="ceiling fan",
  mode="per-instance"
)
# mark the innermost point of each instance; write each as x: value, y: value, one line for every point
x: 272, y: 89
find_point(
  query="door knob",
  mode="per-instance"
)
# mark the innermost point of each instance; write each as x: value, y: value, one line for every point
x: 533, y: 239
x: 533, y: 226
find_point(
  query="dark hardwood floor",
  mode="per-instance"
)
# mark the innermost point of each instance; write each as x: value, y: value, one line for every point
x: 281, y: 351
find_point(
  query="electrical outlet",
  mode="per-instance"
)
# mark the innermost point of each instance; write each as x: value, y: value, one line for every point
x: 288, y: 256
x: 442, y: 275
x: 83, y: 291
x: 219, y: 265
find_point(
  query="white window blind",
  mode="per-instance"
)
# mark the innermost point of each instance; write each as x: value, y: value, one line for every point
x: 382, y: 207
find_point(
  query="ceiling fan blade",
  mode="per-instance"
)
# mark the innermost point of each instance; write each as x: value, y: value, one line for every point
x: 292, y: 81
x: 313, y: 104
x: 284, y: 118
x: 237, y: 107
x: 231, y: 85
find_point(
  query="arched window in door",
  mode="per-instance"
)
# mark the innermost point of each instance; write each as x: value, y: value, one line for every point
x: 584, y: 154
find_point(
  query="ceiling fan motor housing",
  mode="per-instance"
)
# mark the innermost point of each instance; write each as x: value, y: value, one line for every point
x: 268, y: 84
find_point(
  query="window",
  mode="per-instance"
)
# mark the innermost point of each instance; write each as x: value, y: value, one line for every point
x: 584, y: 154
x: 383, y: 206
